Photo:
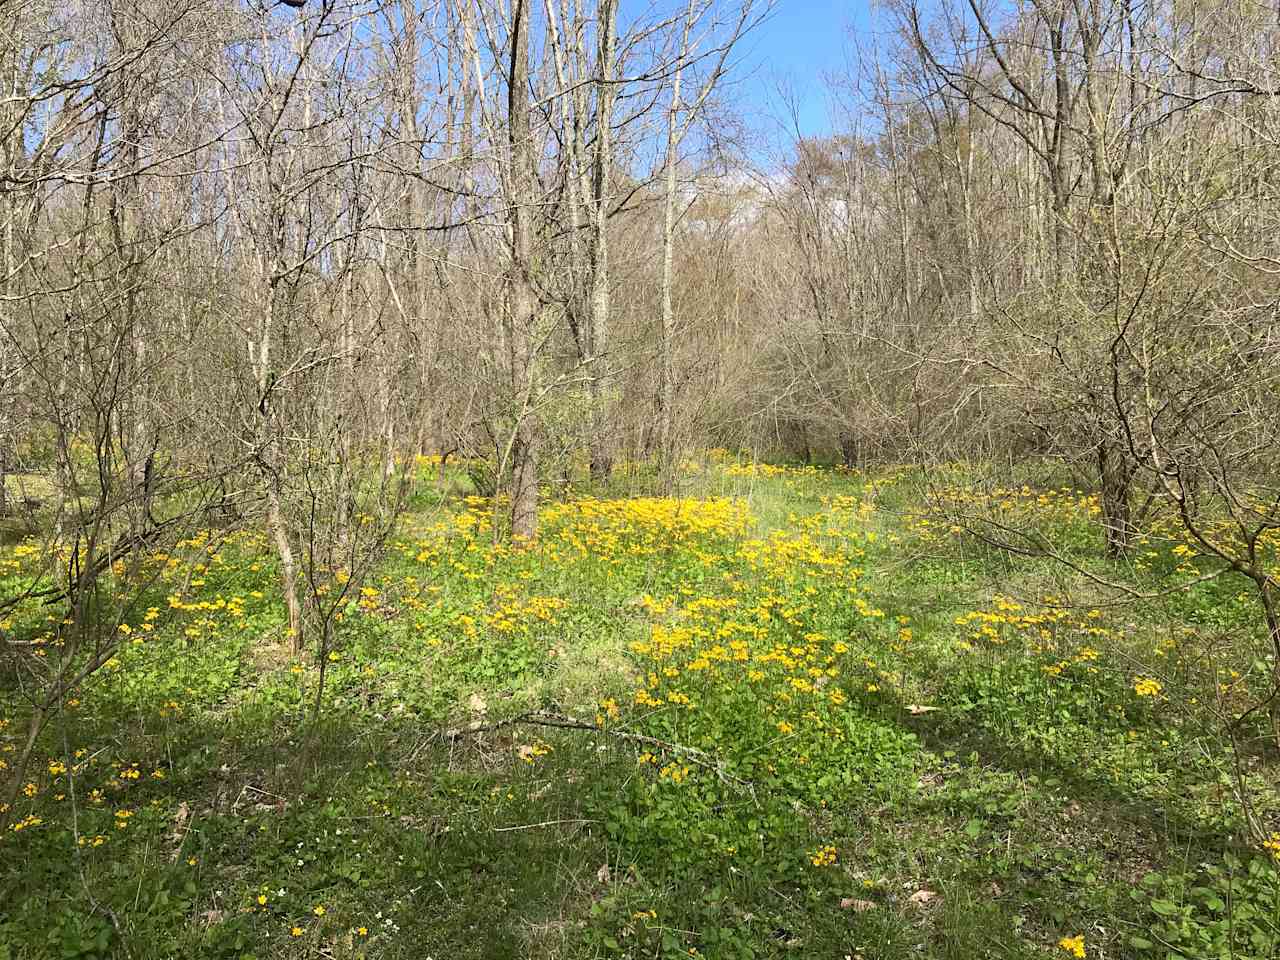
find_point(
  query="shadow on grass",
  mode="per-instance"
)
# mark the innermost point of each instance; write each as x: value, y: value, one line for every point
x: 431, y: 848
x: 1100, y: 802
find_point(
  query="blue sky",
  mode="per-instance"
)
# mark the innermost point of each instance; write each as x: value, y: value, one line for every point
x: 801, y: 40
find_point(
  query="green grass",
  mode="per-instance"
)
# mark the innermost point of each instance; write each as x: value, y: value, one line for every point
x: 764, y: 726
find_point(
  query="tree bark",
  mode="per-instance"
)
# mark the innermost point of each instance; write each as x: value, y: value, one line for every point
x: 666, y: 333
x: 522, y: 300
x: 1116, y: 474
x: 288, y: 564
x: 601, y: 453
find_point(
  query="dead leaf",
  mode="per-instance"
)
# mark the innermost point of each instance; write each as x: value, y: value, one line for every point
x: 915, y: 709
x: 922, y: 897
x: 477, y: 704
x: 603, y: 874
x: 180, y: 817
x: 858, y: 906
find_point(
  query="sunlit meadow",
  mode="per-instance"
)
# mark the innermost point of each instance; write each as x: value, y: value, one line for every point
x: 794, y: 712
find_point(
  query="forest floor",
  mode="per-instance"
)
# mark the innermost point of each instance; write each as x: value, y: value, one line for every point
x: 794, y: 714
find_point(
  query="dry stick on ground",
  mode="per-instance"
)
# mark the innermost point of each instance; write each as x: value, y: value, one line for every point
x: 543, y: 824
x: 560, y: 721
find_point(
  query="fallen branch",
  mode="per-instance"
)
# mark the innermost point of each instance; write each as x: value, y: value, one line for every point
x: 539, y: 718
x: 545, y: 823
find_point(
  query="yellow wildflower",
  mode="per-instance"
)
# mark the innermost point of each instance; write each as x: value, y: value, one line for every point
x: 1146, y: 687
x: 1073, y: 945
x: 824, y: 856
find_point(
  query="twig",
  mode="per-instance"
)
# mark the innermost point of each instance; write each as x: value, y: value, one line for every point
x: 545, y: 823
x: 560, y: 721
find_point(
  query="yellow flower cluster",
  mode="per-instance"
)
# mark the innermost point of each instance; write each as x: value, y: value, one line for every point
x: 674, y: 772
x: 1073, y: 945
x: 643, y: 522
x: 824, y: 856
x: 1272, y: 845
x: 1147, y: 687
x: 707, y: 648
x: 1013, y: 506
x: 514, y: 614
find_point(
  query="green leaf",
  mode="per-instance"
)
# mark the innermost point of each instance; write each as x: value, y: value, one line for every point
x: 1166, y: 908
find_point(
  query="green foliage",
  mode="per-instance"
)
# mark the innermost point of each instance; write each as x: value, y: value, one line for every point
x: 1226, y: 909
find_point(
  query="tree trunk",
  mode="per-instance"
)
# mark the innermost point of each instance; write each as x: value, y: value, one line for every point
x: 127, y: 232
x: 270, y: 466
x: 9, y: 147
x: 601, y: 454
x: 521, y: 297
x: 848, y: 451
x: 288, y: 565
x: 1116, y: 474
x: 666, y: 376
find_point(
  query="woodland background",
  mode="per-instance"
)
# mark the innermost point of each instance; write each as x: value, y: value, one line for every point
x: 274, y: 271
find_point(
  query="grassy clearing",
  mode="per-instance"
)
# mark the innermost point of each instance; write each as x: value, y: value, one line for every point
x: 792, y: 715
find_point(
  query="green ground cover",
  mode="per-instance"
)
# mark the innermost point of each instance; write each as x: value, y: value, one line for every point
x: 795, y: 713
